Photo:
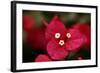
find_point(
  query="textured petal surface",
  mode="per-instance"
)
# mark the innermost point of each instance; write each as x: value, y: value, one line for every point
x: 76, y: 41
x: 42, y: 58
x: 55, y: 26
x: 56, y: 51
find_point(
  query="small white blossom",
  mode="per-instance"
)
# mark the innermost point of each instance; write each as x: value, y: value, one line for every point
x: 61, y: 42
x: 68, y: 35
x: 57, y: 35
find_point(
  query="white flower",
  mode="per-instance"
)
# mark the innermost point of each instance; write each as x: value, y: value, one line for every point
x: 61, y: 42
x: 57, y: 35
x: 68, y: 35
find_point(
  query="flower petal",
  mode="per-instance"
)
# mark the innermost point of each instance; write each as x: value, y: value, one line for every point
x: 42, y: 58
x: 56, y: 51
x: 74, y: 45
x: 55, y: 26
x: 76, y: 41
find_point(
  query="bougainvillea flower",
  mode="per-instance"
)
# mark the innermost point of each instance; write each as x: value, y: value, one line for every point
x: 28, y: 23
x: 62, y: 40
x: 36, y: 38
x: 85, y: 29
x: 42, y: 58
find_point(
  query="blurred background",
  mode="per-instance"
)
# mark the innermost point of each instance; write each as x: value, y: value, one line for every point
x: 68, y: 18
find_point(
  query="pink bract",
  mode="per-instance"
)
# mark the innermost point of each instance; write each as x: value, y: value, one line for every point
x: 76, y: 41
x: 42, y: 58
x: 55, y: 26
x: 56, y: 51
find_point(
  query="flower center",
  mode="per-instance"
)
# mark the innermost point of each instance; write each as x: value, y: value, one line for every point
x: 61, y: 42
x: 57, y: 35
x: 68, y: 35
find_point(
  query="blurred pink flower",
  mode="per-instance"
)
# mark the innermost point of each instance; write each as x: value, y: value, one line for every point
x: 85, y: 29
x: 42, y: 58
x: 28, y: 23
x: 61, y: 40
x: 36, y: 38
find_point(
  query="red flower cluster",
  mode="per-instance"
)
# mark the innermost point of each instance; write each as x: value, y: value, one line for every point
x: 56, y: 39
